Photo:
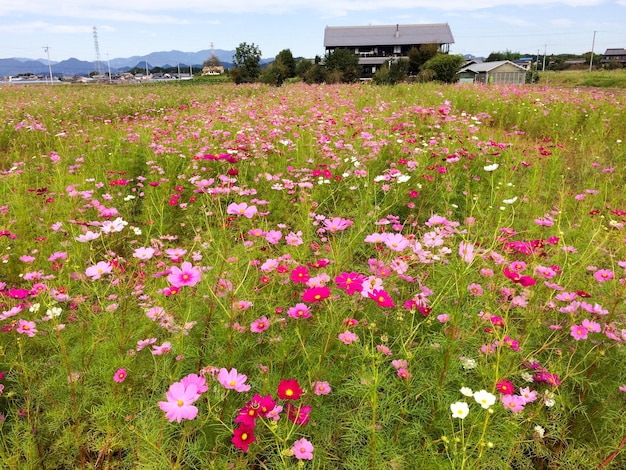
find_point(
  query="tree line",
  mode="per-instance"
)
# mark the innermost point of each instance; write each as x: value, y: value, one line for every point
x: 424, y: 63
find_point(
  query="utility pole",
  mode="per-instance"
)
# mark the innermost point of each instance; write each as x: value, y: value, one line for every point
x: 109, y: 67
x: 593, y: 44
x: 47, y: 49
x: 545, y: 46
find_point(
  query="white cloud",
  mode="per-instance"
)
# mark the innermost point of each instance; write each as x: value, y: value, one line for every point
x: 166, y: 11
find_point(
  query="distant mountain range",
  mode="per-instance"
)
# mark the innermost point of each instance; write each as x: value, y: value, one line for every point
x: 71, y: 67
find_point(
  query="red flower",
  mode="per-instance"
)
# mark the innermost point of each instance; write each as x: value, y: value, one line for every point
x: 289, y: 390
x: 505, y: 387
x: 243, y: 436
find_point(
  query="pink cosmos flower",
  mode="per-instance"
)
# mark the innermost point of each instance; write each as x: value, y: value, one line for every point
x: 528, y: 395
x: 241, y: 209
x: 603, y: 275
x: 165, y: 348
x: 579, y: 332
x: 466, y: 251
x: 475, y: 289
x: 120, y: 375
x: 186, y: 275
x: 302, y: 449
x: 347, y: 337
x: 336, y: 224
x: 300, y: 310
x: 273, y: 236
x: 259, y: 325
x: 403, y: 373
x: 179, y: 404
x: 143, y: 253
x: 321, y: 388
x: 396, y: 242
x: 96, y: 271
x: 197, y: 380
x: 592, y: 326
x: 294, y: 239
x: 27, y: 328
x: 233, y: 380
x: 514, y: 403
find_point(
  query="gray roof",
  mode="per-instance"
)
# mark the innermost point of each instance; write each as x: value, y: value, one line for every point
x: 387, y: 35
x: 615, y: 52
x: 488, y: 66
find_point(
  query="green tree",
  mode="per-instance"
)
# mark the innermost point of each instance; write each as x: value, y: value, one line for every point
x: 285, y: 58
x: 246, y: 63
x: 445, y: 67
x: 418, y: 56
x: 342, y: 66
x: 506, y: 55
x: 390, y: 75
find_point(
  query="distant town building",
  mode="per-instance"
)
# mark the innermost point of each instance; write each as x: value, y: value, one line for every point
x: 498, y: 72
x: 614, y: 57
x: 380, y: 44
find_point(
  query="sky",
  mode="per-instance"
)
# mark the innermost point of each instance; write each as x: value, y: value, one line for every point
x: 64, y: 28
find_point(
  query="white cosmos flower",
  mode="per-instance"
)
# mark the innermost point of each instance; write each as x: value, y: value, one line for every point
x: 510, y: 201
x: 460, y: 409
x: 492, y: 167
x: 484, y: 398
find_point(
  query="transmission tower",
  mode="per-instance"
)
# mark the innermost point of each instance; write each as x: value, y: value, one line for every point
x: 97, y: 47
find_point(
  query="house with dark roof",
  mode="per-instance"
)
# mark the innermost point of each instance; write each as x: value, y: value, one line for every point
x: 498, y: 72
x: 614, y: 57
x: 380, y: 44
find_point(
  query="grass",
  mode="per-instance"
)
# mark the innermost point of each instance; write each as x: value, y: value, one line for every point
x: 367, y: 259
x: 584, y: 78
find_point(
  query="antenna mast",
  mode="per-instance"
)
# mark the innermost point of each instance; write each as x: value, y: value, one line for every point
x: 97, y: 47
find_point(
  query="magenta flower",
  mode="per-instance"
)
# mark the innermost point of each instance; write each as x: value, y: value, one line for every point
x: 120, y: 375
x: 396, y: 242
x: 186, y: 275
x: 259, y: 325
x: 179, y: 404
x: 300, y: 414
x: 300, y: 275
x: 382, y: 298
x: 351, y: 283
x: 233, y: 380
x: 316, y: 294
x: 96, y: 271
x: 302, y: 449
x: 273, y: 236
x: 25, y: 327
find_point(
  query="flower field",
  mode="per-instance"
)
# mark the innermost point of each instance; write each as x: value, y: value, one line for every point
x: 336, y: 276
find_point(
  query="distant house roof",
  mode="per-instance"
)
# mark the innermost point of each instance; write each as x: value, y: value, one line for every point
x: 387, y: 35
x: 488, y: 66
x: 610, y: 52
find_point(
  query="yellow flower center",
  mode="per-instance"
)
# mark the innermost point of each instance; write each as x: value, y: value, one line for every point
x: 180, y: 403
x: 289, y: 392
